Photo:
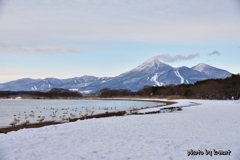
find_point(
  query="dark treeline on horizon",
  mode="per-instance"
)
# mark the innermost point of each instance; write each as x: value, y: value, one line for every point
x: 107, y: 93
x: 228, y: 88
x: 52, y: 94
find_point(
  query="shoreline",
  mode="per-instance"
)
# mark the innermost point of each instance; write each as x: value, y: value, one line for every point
x: 48, y: 123
x: 5, y: 129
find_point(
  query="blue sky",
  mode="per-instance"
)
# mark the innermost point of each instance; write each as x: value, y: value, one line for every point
x: 65, y: 39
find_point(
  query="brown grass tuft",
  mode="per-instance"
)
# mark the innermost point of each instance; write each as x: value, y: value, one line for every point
x: 171, y: 97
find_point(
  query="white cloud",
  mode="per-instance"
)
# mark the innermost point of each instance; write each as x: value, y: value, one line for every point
x: 170, y: 59
x: 107, y: 20
x: 39, y: 49
x: 214, y: 53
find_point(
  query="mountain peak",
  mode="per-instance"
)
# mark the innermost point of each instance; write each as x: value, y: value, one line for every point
x: 151, y: 63
x: 201, y: 67
x: 152, y: 60
x: 150, y: 73
x: 211, y: 71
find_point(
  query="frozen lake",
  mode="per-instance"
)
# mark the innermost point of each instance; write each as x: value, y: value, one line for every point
x: 22, y: 107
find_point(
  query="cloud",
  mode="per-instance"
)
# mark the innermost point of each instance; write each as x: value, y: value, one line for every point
x: 214, y: 53
x: 118, y: 20
x: 39, y: 49
x: 171, y: 59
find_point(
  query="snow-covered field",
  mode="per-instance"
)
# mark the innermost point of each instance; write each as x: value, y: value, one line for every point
x: 212, y: 125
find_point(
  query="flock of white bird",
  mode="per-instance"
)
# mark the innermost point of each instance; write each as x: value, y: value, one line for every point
x: 62, y: 118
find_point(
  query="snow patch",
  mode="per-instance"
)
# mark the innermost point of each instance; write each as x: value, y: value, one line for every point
x: 34, y: 88
x: 150, y: 63
x: 200, y: 67
x: 86, y: 92
x: 154, y: 79
x: 179, y: 75
x: 18, y: 98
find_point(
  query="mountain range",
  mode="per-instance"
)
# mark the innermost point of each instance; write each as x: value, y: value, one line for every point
x: 151, y: 73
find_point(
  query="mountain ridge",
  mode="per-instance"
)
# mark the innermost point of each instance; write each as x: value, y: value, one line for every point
x: 152, y: 72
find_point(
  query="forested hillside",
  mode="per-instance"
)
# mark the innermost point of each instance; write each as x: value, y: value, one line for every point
x: 228, y: 88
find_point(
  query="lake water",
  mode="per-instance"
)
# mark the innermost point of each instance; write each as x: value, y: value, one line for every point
x: 22, y: 107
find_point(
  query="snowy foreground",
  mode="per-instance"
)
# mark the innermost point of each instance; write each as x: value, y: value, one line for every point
x: 212, y: 126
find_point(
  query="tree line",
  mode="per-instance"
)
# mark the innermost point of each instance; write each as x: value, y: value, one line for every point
x: 52, y: 94
x: 228, y: 88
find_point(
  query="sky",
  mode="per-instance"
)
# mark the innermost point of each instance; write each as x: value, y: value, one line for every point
x: 66, y: 39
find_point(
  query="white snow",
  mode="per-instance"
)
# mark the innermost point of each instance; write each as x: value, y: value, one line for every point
x: 200, y: 67
x: 49, y: 86
x: 187, y: 81
x: 154, y: 79
x: 179, y: 75
x: 74, y: 89
x: 211, y: 125
x: 150, y: 63
x: 86, y: 91
x: 34, y: 88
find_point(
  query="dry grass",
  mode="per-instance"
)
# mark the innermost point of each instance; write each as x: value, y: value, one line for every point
x: 172, y: 97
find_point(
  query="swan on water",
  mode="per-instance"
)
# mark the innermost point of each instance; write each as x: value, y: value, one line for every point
x: 86, y: 114
x: 25, y: 122
x: 72, y: 116
x: 31, y: 114
x: 80, y: 114
x: 40, y: 119
x: 18, y: 119
x: 59, y: 120
x: 14, y: 122
x: 53, y: 114
x: 91, y: 112
x: 66, y: 120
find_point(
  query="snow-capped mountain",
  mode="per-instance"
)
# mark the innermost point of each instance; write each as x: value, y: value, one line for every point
x: 211, y: 71
x: 145, y: 74
x: 182, y: 75
x: 151, y: 73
